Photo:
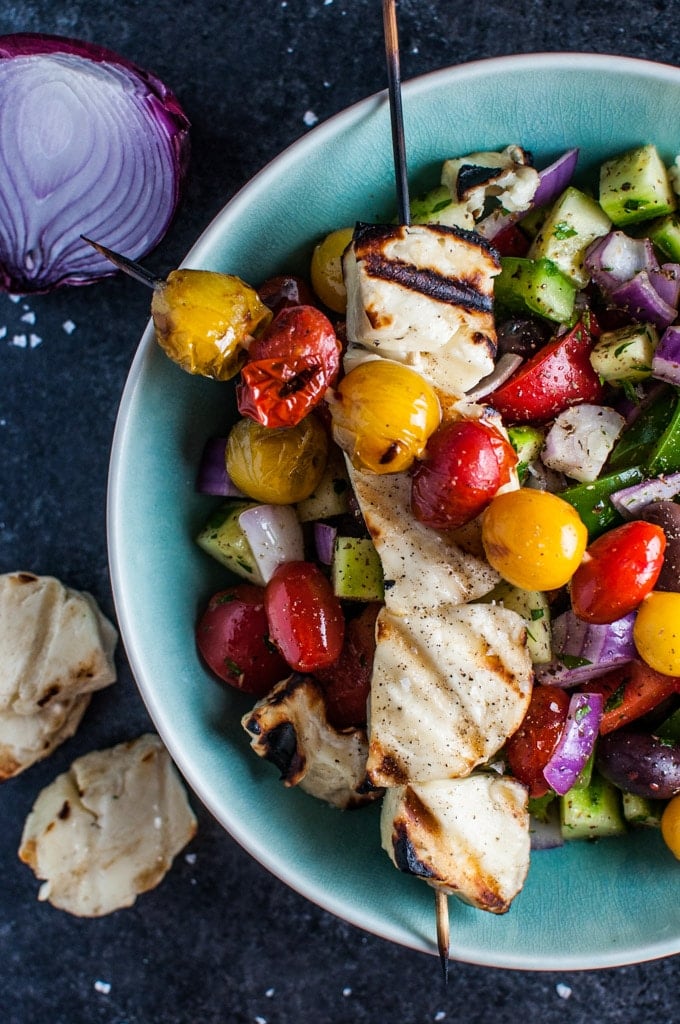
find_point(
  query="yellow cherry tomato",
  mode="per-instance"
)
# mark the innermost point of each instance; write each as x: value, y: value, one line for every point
x: 670, y: 825
x: 534, y: 539
x: 278, y: 466
x: 656, y: 632
x: 326, y: 269
x: 383, y: 413
x: 203, y: 320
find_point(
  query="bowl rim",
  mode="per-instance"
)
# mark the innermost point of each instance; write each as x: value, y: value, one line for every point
x: 544, y: 60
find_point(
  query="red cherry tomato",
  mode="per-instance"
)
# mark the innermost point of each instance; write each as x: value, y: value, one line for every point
x: 558, y: 376
x: 529, y: 749
x: 306, y: 620
x: 347, y: 682
x: 464, y: 464
x: 290, y: 366
x: 232, y: 636
x: 618, y: 570
x: 630, y: 692
x: 283, y: 291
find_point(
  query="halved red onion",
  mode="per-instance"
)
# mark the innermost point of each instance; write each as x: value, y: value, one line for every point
x: 585, y: 651
x: 666, y: 359
x: 212, y: 476
x: 616, y: 258
x: 576, y: 742
x: 324, y: 541
x: 630, y: 502
x: 90, y: 144
x: 580, y: 439
x: 275, y: 536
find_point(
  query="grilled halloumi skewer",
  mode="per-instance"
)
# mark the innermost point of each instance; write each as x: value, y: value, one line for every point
x: 451, y: 680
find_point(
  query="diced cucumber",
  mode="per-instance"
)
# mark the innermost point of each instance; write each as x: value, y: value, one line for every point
x: 635, y: 186
x: 573, y: 223
x: 223, y: 539
x: 624, y: 356
x: 331, y: 495
x: 665, y: 234
x: 533, y: 606
x: 527, y: 442
x: 592, y: 812
x: 641, y: 812
x: 534, y: 286
x: 356, y: 571
x: 439, y: 207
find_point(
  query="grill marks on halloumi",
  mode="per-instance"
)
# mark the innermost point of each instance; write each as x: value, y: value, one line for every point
x: 423, y: 294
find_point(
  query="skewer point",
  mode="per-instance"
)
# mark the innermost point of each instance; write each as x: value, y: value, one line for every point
x: 441, y: 905
x: 129, y: 267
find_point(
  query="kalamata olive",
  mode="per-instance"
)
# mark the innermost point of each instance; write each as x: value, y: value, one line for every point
x: 640, y: 763
x: 521, y: 336
x: 666, y: 514
x: 284, y: 291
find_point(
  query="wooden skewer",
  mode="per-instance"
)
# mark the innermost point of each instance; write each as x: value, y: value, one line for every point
x: 135, y: 270
x: 441, y: 906
x: 396, y: 112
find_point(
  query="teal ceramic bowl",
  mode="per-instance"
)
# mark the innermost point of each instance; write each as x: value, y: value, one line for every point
x: 584, y: 905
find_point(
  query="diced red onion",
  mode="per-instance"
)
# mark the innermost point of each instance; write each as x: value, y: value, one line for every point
x: 576, y: 742
x: 275, y: 536
x: 666, y: 282
x: 212, y: 477
x: 91, y: 145
x: 631, y: 501
x: 503, y: 370
x: 585, y: 651
x: 545, y: 835
x: 616, y: 258
x: 640, y: 298
x: 666, y: 359
x: 580, y: 440
x: 554, y: 178
x: 324, y: 542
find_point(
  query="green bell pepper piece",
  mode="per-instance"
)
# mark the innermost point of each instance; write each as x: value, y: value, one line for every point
x: 592, y: 503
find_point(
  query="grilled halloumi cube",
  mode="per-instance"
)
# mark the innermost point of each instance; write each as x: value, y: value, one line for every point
x: 468, y: 837
x: 506, y: 175
x: 423, y: 294
x: 289, y: 728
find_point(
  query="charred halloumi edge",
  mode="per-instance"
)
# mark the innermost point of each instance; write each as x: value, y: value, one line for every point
x: 467, y: 837
x: 422, y: 295
x: 289, y: 727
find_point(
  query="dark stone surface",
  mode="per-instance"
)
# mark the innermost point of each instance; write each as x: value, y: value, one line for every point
x: 221, y: 940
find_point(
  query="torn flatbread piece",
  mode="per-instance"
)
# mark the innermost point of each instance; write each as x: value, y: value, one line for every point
x: 468, y: 837
x: 108, y: 829
x: 56, y: 649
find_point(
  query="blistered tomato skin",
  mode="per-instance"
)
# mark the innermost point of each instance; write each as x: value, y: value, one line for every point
x: 464, y: 464
x: 618, y: 570
x: 203, y: 321
x: 284, y: 291
x: 277, y: 466
x: 326, y: 269
x: 289, y: 368
x: 656, y: 632
x: 529, y: 749
x: 306, y: 620
x: 534, y: 539
x: 383, y: 414
x: 232, y: 638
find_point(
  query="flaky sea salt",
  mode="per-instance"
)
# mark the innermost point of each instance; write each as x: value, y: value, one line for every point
x: 34, y: 340
x: 28, y: 317
x: 19, y: 341
x: 68, y: 326
x: 310, y: 118
x: 563, y: 991
x: 102, y: 986
x: 190, y: 858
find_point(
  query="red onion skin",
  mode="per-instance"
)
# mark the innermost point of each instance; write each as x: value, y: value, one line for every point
x: 576, y: 743
x: 166, y: 112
